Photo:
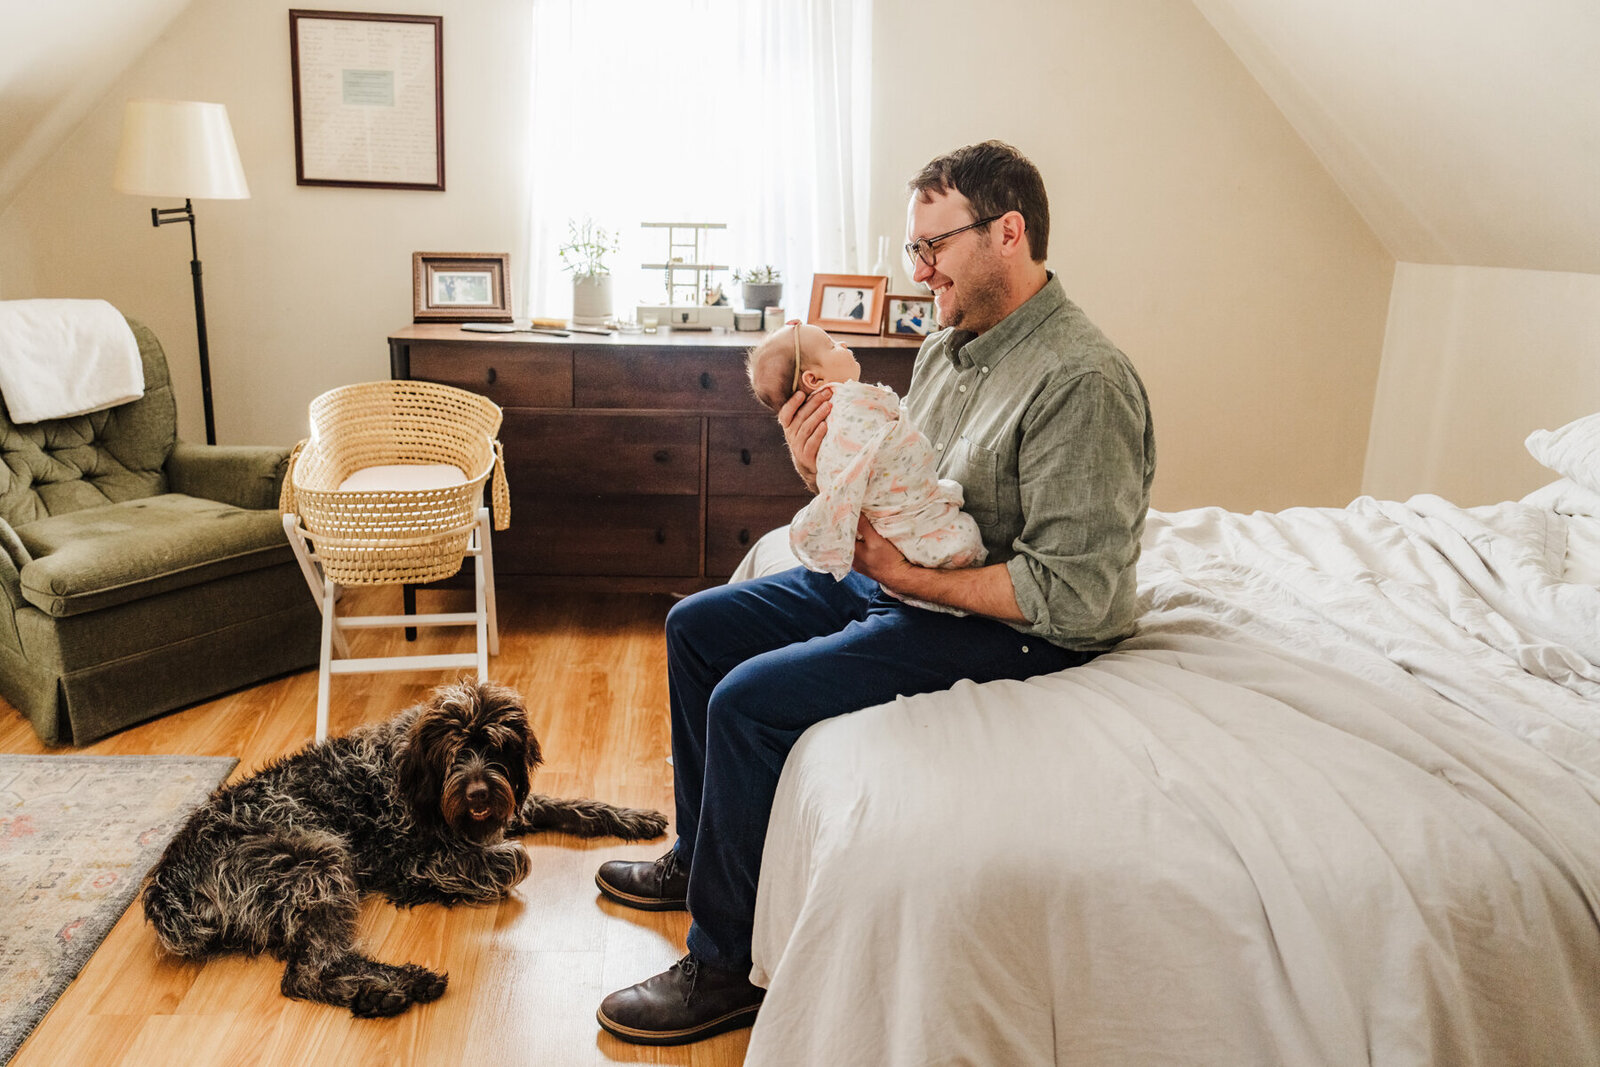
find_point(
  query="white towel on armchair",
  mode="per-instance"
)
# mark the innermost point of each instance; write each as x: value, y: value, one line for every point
x: 66, y: 357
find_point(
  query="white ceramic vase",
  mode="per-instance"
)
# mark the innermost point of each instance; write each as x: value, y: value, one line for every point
x: 591, y: 299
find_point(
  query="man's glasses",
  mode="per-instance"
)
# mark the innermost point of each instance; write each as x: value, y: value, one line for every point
x: 922, y: 247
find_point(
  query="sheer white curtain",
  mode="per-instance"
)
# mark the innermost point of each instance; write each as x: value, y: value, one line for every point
x: 750, y: 112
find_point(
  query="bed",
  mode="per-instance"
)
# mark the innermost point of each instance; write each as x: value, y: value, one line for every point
x: 1336, y: 802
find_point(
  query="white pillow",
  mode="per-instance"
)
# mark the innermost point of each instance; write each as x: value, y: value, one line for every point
x: 403, y: 478
x: 1572, y: 451
x: 1565, y: 497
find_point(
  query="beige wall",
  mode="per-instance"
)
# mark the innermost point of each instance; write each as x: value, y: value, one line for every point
x: 302, y: 284
x: 1189, y: 220
x: 1475, y: 359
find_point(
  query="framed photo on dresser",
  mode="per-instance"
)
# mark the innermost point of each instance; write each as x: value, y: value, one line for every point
x: 909, y: 315
x: 848, y: 303
x: 461, y: 287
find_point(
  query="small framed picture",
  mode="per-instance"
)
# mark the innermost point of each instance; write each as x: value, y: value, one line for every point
x: 460, y: 287
x: 848, y: 303
x: 909, y: 316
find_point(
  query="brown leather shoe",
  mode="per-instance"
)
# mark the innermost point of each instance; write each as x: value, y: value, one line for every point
x: 656, y: 885
x: 688, y: 1002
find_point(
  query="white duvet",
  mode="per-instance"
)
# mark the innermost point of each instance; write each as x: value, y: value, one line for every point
x: 1337, y: 802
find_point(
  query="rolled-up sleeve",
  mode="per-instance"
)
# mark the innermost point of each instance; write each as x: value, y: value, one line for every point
x: 1083, y: 470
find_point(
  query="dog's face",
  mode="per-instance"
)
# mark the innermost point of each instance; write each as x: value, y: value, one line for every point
x: 469, y: 759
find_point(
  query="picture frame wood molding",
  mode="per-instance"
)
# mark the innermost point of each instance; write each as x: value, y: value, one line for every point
x: 368, y: 99
x: 848, y: 303
x: 460, y: 287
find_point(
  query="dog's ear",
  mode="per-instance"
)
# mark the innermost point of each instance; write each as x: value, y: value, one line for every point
x: 420, y: 778
x: 534, y: 755
x: 509, y: 706
x: 522, y: 776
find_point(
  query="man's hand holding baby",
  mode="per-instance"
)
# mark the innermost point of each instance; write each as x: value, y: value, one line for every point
x: 805, y: 423
x: 877, y: 557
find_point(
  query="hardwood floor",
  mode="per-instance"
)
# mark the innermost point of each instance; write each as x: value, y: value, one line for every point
x: 525, y: 976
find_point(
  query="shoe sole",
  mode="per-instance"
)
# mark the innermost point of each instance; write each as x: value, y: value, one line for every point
x: 734, y: 1020
x: 629, y: 900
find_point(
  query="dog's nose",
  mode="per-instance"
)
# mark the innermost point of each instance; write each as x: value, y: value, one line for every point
x: 477, y: 794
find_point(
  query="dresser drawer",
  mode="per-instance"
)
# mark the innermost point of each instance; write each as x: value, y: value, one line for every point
x: 526, y: 376
x: 746, y: 456
x: 585, y: 453
x: 610, y: 535
x: 734, y: 523
x: 690, y: 379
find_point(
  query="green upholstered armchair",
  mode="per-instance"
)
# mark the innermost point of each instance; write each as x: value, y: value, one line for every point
x: 139, y: 574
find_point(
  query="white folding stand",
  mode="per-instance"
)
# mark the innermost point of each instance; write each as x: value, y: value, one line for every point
x: 327, y: 593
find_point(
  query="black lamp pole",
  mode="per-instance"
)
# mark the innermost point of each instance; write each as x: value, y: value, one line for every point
x: 160, y: 216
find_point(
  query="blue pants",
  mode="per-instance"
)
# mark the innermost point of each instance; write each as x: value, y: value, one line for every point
x: 750, y: 666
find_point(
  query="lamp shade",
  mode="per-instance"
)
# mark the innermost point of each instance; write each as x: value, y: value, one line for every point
x: 179, y: 148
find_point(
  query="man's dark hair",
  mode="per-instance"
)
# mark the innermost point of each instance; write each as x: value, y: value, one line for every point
x: 995, y: 178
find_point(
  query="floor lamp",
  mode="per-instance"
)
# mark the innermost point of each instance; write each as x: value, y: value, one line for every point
x: 182, y: 148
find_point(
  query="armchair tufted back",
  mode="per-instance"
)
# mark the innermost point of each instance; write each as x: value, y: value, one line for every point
x: 49, y: 468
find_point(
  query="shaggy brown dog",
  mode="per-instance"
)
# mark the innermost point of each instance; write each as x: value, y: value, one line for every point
x: 417, y: 808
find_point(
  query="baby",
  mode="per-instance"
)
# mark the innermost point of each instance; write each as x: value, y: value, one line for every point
x: 872, y: 462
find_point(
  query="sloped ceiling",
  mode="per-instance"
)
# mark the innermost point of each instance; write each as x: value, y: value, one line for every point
x: 58, y: 59
x: 1467, y: 132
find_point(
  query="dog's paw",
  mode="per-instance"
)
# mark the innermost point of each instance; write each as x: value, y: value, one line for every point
x: 510, y: 864
x: 425, y: 986
x: 380, y: 1000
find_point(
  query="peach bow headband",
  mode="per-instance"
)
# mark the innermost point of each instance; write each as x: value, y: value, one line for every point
x: 795, y: 388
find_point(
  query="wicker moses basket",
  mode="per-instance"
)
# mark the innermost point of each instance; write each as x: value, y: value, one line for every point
x: 395, y: 536
x: 389, y: 490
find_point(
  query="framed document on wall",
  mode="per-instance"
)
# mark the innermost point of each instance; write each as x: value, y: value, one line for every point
x: 368, y: 99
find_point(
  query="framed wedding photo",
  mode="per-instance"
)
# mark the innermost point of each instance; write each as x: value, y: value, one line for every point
x: 461, y: 287
x: 909, y: 315
x: 848, y: 303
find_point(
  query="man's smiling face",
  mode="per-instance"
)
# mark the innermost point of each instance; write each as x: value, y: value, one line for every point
x: 967, y: 275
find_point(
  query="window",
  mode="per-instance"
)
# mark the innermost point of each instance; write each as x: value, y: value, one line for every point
x: 754, y: 113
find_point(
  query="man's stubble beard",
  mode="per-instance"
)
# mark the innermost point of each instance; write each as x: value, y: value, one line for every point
x: 982, y: 297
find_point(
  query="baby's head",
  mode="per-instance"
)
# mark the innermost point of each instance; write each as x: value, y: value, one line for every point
x: 797, y: 358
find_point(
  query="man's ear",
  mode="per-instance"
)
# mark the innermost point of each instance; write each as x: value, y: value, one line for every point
x: 1013, y: 231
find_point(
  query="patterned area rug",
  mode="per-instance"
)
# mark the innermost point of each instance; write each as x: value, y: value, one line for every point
x: 77, y: 835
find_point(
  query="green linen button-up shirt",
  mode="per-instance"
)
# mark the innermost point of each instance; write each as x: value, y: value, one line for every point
x: 1046, y: 426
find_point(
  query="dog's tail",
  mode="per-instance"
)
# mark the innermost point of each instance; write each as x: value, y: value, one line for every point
x: 590, y: 818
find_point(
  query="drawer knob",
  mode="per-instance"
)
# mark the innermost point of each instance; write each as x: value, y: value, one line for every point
x: 744, y: 456
x: 492, y: 375
x: 661, y: 537
x: 744, y: 537
x: 663, y: 455
x: 705, y: 379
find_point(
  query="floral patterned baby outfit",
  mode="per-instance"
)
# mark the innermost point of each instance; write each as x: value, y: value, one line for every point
x: 874, y: 462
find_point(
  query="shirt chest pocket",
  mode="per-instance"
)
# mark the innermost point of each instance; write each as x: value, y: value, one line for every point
x: 978, y: 470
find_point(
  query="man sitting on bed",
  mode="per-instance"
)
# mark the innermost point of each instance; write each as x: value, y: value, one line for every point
x: 1046, y: 426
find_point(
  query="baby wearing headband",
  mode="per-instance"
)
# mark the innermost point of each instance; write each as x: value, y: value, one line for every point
x: 797, y: 358
x: 872, y: 462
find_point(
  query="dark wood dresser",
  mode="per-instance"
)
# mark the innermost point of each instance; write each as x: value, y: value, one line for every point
x: 636, y: 462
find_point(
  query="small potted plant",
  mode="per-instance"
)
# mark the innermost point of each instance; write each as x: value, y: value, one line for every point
x: 762, y: 287
x: 584, y: 255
